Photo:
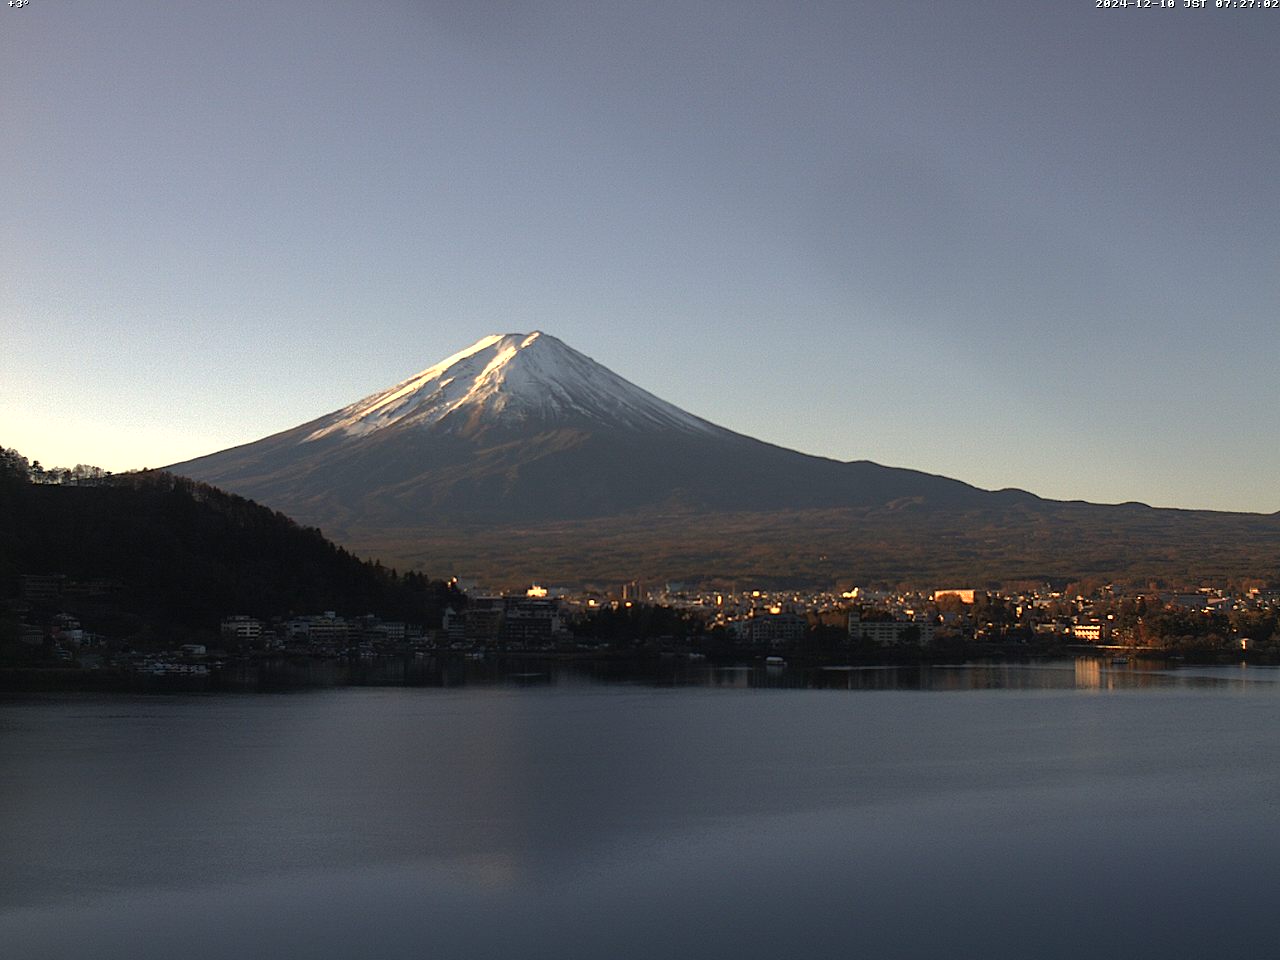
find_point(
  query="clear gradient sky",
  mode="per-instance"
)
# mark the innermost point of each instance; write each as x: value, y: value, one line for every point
x: 1031, y: 244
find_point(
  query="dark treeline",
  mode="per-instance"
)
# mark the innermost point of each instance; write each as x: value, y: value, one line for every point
x: 168, y: 552
x: 15, y: 465
x: 640, y: 622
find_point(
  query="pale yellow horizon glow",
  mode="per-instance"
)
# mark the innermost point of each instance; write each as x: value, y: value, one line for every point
x: 64, y: 441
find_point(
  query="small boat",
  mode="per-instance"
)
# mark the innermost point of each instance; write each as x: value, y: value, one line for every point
x: 774, y: 662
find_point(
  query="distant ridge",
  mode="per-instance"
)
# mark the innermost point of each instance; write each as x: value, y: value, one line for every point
x: 519, y: 438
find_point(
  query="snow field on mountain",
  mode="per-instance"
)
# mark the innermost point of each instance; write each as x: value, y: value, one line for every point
x: 515, y: 377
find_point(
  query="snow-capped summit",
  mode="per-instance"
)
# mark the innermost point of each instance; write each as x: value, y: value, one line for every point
x: 511, y: 378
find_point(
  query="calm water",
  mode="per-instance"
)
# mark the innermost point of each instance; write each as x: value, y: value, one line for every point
x: 1056, y: 811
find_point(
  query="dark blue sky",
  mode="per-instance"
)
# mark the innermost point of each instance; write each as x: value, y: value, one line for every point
x: 1024, y: 244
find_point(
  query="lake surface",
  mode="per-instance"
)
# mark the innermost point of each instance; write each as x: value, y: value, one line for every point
x: 1060, y: 810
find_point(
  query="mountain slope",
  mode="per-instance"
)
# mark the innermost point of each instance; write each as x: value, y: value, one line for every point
x: 520, y: 457
x: 901, y: 544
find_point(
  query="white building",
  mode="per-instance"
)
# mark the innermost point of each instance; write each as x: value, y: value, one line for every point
x: 1090, y: 632
x: 888, y: 633
x: 241, y: 628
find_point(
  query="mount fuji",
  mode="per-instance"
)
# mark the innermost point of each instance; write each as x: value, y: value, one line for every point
x: 523, y: 457
x: 523, y: 427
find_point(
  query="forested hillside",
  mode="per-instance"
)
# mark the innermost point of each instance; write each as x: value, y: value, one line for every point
x: 160, y: 551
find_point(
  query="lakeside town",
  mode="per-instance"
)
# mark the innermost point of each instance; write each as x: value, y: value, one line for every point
x: 669, y: 620
x: 154, y: 577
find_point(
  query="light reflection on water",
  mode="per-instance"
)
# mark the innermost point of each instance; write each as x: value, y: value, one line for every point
x: 1022, y: 816
x: 453, y: 670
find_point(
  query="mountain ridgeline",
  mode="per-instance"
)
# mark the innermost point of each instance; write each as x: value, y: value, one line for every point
x: 520, y: 457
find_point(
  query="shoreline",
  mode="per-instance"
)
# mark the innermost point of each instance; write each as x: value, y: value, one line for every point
x: 451, y: 668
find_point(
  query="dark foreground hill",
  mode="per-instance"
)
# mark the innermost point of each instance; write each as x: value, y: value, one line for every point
x: 167, y: 553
